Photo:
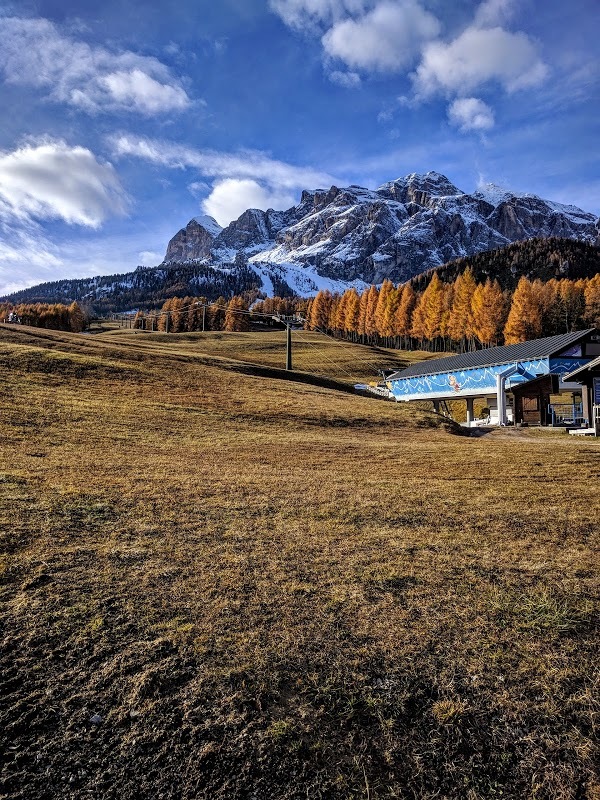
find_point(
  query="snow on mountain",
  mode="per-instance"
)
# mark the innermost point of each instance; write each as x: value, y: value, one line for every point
x: 339, y: 237
x: 209, y: 224
x: 494, y: 194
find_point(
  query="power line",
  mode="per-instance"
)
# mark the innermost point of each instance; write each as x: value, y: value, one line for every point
x: 283, y: 319
x: 349, y: 344
x: 337, y: 366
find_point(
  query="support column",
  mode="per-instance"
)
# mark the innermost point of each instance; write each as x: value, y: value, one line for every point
x: 501, y: 398
x: 436, y: 406
x: 588, y: 409
x: 470, y: 415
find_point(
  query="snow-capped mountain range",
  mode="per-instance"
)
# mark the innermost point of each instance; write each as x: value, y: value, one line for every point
x: 335, y: 238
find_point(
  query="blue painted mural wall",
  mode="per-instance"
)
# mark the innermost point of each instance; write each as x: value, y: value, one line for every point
x: 475, y: 382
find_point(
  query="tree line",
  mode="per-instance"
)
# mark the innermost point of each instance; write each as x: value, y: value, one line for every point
x: 185, y: 314
x: 535, y: 258
x: 143, y: 288
x: 457, y: 315
x: 55, y: 316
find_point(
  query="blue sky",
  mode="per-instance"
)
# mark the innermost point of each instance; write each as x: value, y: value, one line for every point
x: 122, y: 120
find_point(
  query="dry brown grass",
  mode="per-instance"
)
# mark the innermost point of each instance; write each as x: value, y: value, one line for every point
x: 272, y: 589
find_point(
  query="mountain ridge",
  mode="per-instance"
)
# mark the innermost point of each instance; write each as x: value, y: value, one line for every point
x: 333, y: 239
x: 403, y: 228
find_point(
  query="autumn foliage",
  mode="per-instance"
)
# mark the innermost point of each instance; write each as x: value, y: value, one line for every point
x: 458, y: 315
x: 185, y: 314
x: 55, y: 316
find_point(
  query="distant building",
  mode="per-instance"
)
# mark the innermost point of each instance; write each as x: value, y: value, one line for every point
x: 522, y: 377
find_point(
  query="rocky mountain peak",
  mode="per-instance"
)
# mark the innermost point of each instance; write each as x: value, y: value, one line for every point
x: 420, y: 189
x: 209, y: 224
x: 194, y: 242
x: 354, y: 234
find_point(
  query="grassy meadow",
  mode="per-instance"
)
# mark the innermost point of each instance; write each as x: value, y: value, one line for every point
x: 220, y: 581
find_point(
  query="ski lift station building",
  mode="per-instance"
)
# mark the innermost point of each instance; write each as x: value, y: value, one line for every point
x: 518, y: 381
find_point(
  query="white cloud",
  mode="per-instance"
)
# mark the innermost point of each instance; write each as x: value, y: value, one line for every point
x: 150, y: 258
x: 250, y: 164
x: 494, y: 12
x: 349, y: 80
x: 27, y: 257
x: 51, y: 180
x: 35, y: 53
x: 310, y: 14
x: 248, y: 179
x: 387, y: 38
x: 477, y: 57
x: 471, y: 114
x: 198, y: 188
x: 232, y: 196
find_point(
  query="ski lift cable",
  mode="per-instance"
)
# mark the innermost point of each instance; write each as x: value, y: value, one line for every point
x: 349, y: 344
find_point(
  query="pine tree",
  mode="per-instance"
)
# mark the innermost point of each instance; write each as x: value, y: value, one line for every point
x: 448, y: 289
x: 388, y: 323
x: 216, y: 315
x: 362, y: 315
x: 352, y: 312
x: 320, y: 309
x: 332, y: 316
x: 404, y: 314
x: 164, y: 321
x: 572, y: 304
x: 433, y: 308
x: 417, y: 328
x: 339, y: 322
x: 76, y: 318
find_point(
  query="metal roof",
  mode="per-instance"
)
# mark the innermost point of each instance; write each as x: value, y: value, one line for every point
x: 492, y: 356
x: 582, y: 368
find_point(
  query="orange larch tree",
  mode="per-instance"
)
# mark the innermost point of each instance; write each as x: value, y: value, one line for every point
x: 460, y: 323
x: 235, y: 318
x: 592, y: 302
x: 388, y: 323
x: 489, y: 312
x: 525, y: 318
x: 362, y: 314
x: 352, y: 312
x: 382, y: 301
x: 370, y: 321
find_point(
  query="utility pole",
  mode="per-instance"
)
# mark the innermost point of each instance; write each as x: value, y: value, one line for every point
x: 203, y: 317
x: 288, y: 349
x: 288, y: 339
x: 167, y: 323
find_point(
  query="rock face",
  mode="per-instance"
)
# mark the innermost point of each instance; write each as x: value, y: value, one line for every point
x: 359, y: 235
x: 194, y: 242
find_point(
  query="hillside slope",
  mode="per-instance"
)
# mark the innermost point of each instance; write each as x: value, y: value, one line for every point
x: 534, y: 258
x: 220, y: 586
